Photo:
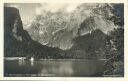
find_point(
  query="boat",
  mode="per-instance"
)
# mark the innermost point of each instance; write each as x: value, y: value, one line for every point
x: 21, y: 58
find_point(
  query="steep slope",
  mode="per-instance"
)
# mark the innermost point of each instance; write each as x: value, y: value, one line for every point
x: 90, y: 45
x: 17, y: 41
x: 58, y: 29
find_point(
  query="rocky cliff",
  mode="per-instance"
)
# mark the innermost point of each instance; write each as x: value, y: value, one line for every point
x: 84, y: 40
x: 58, y: 29
x: 17, y: 41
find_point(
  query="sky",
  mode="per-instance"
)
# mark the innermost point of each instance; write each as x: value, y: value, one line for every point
x: 29, y: 10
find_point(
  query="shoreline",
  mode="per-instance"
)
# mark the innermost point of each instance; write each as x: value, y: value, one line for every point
x: 24, y: 58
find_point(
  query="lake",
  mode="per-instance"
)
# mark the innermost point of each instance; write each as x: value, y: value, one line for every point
x: 53, y: 68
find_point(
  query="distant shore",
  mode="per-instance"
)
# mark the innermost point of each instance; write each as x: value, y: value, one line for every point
x: 17, y: 58
x: 13, y: 58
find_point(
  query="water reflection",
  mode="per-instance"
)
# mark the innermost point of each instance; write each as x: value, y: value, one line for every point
x: 68, y: 69
x: 24, y: 62
x: 32, y: 63
x: 21, y: 62
x: 61, y: 68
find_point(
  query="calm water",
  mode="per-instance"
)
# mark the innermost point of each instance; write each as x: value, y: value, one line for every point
x: 55, y: 68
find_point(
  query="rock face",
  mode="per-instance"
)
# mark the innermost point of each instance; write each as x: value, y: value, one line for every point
x: 13, y: 31
x: 58, y: 29
x: 87, y: 41
x: 90, y: 45
x: 17, y: 41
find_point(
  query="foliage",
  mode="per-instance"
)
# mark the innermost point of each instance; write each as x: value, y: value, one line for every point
x: 115, y: 53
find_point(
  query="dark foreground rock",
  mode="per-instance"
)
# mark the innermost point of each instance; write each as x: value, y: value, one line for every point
x: 17, y: 41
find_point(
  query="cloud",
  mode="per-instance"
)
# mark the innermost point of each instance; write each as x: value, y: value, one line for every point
x: 38, y: 11
x: 71, y: 7
x: 55, y: 7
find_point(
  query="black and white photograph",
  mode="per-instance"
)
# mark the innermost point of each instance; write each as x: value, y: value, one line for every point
x: 63, y: 39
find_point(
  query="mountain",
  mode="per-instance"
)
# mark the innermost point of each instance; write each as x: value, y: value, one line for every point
x: 78, y: 34
x: 17, y: 41
x: 90, y: 45
x: 58, y: 29
x: 82, y: 34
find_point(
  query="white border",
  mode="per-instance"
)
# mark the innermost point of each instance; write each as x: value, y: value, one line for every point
x: 125, y: 78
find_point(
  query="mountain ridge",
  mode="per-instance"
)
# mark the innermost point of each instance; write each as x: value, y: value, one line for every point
x: 58, y: 29
x: 17, y: 41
